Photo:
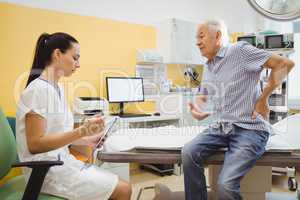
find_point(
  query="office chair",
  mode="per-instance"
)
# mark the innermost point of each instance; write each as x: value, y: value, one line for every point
x: 16, y: 188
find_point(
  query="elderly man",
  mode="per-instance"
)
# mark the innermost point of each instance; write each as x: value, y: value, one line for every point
x: 232, y: 74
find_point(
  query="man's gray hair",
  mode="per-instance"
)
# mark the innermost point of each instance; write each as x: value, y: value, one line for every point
x: 218, y: 25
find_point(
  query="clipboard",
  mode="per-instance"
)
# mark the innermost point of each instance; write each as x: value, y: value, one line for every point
x: 106, y: 131
x: 97, y: 147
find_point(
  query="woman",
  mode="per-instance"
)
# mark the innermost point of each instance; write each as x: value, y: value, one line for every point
x: 45, y: 126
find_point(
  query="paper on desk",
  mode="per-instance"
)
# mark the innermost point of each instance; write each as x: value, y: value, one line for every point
x: 172, y: 137
x: 161, y: 137
x: 278, y: 142
x: 287, y: 130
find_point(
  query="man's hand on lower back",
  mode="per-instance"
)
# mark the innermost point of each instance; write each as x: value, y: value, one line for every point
x: 262, y: 108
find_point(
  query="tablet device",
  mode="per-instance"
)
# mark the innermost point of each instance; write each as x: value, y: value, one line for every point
x: 107, y: 130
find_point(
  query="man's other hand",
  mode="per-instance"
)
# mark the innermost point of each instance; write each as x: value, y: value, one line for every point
x: 197, y: 113
x: 262, y: 108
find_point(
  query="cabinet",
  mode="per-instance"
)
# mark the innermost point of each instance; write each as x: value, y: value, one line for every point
x: 176, y: 42
x: 154, y: 75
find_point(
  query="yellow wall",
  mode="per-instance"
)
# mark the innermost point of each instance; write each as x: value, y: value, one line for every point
x: 107, y: 47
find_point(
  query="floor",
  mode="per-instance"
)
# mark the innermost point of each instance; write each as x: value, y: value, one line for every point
x: 142, y: 178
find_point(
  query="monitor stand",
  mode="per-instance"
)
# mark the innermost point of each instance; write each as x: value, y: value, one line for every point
x: 125, y: 115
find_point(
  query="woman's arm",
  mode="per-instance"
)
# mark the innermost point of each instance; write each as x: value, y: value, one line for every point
x: 39, y: 142
x: 88, y: 140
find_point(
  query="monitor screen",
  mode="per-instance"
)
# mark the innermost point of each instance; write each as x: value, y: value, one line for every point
x: 274, y: 41
x: 123, y: 89
x: 249, y: 39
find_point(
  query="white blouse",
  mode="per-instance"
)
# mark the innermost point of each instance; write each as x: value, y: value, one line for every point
x: 68, y: 180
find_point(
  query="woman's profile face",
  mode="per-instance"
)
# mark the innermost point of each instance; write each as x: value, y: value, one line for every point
x: 68, y: 62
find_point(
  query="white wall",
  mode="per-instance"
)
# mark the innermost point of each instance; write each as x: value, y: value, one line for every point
x: 294, y: 91
x: 238, y: 15
x: 280, y: 27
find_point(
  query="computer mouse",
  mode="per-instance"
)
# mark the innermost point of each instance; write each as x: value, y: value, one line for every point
x: 156, y: 114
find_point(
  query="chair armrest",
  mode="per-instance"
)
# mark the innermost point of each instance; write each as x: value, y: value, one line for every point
x: 38, y: 174
x: 34, y: 164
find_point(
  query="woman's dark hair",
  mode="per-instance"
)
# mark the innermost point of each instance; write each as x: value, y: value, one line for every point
x: 45, y: 45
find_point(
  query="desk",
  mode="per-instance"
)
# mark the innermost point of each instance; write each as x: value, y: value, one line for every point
x: 254, y: 185
x: 288, y: 127
x: 121, y: 168
x: 251, y: 188
x: 152, y: 122
x: 270, y: 158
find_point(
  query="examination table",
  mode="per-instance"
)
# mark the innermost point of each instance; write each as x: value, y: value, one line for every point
x: 255, y: 184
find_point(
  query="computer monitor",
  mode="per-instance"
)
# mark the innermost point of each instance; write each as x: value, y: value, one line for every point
x: 124, y: 90
x: 274, y: 41
x: 250, y: 39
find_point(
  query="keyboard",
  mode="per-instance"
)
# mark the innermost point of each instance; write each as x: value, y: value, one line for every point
x: 127, y: 115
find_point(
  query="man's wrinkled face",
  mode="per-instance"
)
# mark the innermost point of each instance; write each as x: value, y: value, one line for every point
x: 207, y: 41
